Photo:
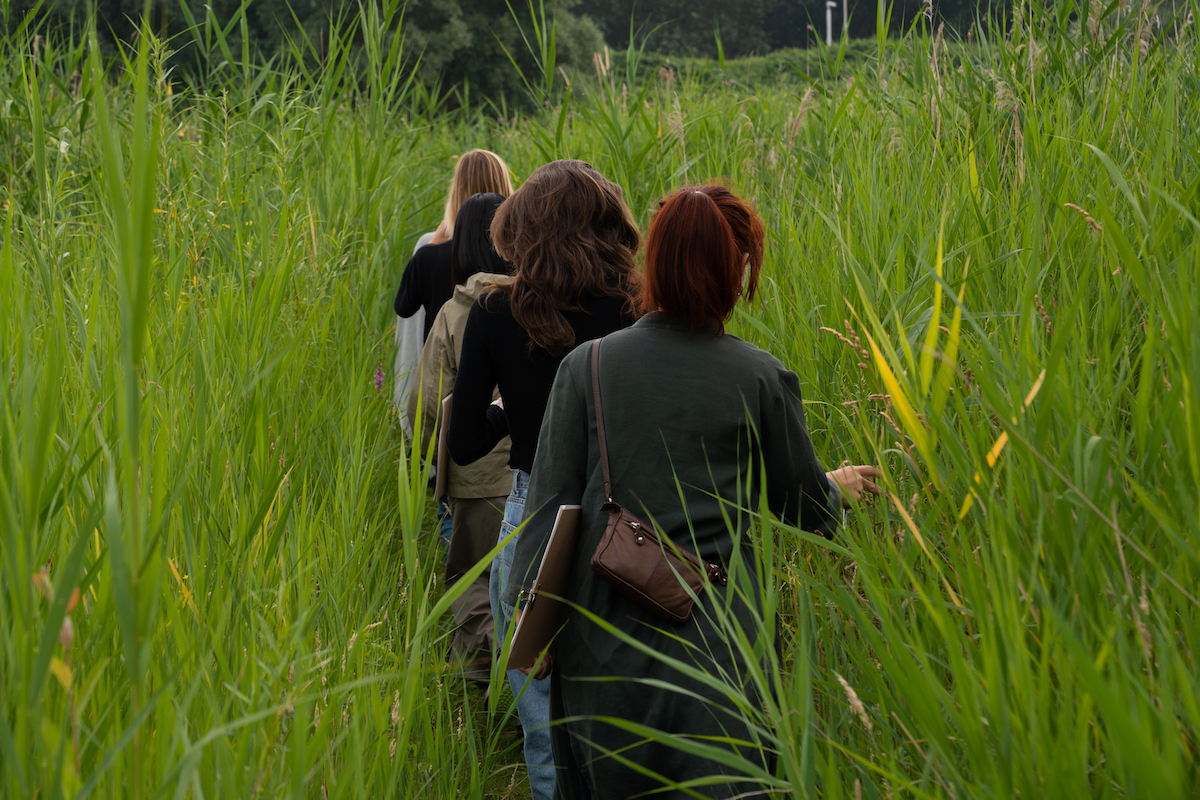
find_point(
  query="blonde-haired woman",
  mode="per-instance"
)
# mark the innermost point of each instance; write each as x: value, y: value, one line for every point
x: 427, y: 282
x: 477, y: 172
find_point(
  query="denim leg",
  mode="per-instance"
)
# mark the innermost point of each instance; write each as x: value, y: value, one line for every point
x: 533, y: 702
x: 533, y: 706
x: 513, y: 508
x: 445, y: 524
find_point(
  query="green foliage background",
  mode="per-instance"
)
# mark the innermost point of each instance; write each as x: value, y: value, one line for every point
x: 983, y: 265
x: 458, y: 46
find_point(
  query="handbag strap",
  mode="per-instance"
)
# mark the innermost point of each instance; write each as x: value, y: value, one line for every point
x: 608, y: 491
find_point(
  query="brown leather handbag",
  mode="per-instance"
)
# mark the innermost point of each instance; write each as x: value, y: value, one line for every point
x: 634, y: 558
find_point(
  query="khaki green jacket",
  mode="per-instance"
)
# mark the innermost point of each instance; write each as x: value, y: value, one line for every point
x: 490, y: 475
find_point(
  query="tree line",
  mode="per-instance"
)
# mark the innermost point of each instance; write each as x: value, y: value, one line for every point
x: 466, y: 48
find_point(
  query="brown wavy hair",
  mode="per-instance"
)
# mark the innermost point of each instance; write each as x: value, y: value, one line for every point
x: 569, y: 234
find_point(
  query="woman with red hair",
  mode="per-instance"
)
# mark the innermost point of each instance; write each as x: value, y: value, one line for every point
x: 699, y: 425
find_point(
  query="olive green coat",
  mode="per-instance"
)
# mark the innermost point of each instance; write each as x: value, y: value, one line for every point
x: 438, y: 370
x: 689, y: 419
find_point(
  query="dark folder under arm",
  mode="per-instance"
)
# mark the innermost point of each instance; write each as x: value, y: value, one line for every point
x: 544, y: 613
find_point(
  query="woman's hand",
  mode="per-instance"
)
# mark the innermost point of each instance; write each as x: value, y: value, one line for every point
x: 855, y: 482
x: 439, y: 235
x: 543, y: 666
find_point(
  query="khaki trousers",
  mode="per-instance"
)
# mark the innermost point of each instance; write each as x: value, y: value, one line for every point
x: 476, y: 524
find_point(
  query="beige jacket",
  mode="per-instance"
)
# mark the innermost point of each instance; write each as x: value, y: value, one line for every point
x: 490, y: 475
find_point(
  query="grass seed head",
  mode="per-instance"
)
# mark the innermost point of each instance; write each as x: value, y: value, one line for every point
x: 1095, y: 225
x: 856, y: 705
x: 1007, y: 101
x: 601, y: 62
x: 1042, y: 313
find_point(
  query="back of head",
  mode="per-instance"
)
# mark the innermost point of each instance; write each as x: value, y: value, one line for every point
x: 476, y: 172
x: 471, y: 248
x: 569, y: 235
x: 702, y: 243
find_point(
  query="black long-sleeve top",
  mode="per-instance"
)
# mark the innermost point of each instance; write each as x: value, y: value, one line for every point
x: 496, y: 352
x: 427, y: 282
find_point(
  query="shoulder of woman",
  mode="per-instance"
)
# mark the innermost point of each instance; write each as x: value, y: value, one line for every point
x: 431, y: 254
x: 418, y: 260
x: 753, y: 354
x: 492, y: 302
x: 771, y: 370
x: 576, y: 367
x: 579, y: 359
x: 490, y: 310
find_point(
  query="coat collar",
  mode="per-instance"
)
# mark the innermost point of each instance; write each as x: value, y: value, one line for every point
x: 668, y: 322
x: 467, y: 293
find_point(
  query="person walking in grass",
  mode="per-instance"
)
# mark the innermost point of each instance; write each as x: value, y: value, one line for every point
x: 572, y: 241
x: 425, y: 285
x: 428, y: 283
x: 478, y: 491
x: 699, y: 425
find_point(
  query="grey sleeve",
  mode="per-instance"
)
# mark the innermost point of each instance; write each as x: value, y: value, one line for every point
x: 798, y: 490
x: 835, y: 497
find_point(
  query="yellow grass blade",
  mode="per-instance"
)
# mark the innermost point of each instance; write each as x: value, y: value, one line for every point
x: 968, y: 501
x: 941, y: 388
x: 908, y: 417
x: 935, y: 318
x: 912, y: 526
x: 1037, y: 387
x: 973, y: 169
x: 997, y: 448
x: 183, y: 588
x: 62, y: 672
x: 1002, y: 440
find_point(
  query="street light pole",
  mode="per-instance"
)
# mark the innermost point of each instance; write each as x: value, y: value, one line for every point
x: 829, y: 6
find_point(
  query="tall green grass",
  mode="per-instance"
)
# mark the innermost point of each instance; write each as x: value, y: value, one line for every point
x: 982, y: 265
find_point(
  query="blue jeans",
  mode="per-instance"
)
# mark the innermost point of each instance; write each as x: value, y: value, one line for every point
x: 533, y: 701
x: 445, y: 524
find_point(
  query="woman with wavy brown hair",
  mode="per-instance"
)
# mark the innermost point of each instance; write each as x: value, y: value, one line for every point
x: 701, y: 427
x: 573, y: 243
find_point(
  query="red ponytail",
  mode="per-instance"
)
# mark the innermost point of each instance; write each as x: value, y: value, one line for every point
x: 695, y: 252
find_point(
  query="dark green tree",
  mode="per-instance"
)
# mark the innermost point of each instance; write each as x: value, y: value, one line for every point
x: 463, y: 46
x: 467, y: 44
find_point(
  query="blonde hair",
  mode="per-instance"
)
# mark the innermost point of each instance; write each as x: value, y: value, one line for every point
x: 476, y: 172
